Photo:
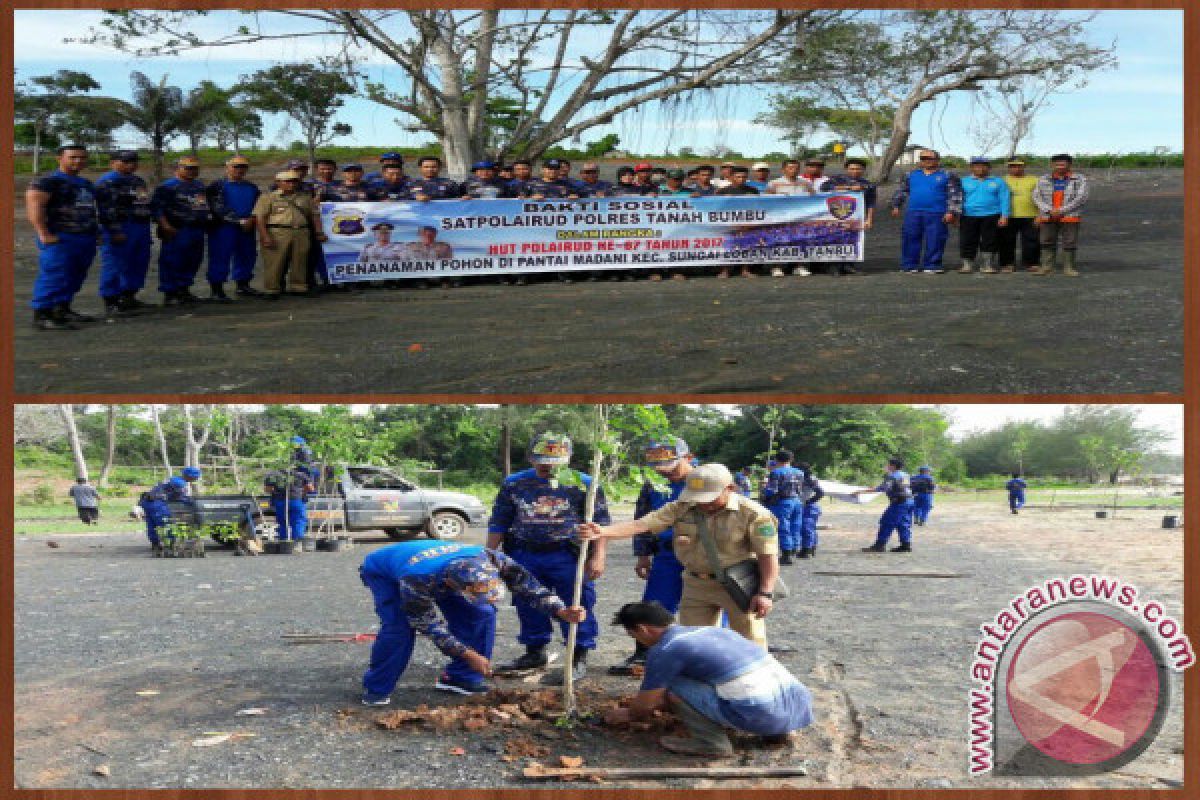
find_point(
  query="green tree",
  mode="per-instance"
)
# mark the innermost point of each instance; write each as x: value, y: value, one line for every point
x: 157, y: 113
x: 311, y: 94
x: 44, y: 99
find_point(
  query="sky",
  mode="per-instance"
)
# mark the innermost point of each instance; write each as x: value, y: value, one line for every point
x: 1137, y: 107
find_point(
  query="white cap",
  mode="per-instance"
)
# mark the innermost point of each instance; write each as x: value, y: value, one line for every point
x: 705, y: 483
x: 761, y: 165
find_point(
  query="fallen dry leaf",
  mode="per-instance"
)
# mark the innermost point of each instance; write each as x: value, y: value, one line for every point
x: 571, y: 762
x: 52, y: 544
x: 475, y: 724
x: 102, y: 770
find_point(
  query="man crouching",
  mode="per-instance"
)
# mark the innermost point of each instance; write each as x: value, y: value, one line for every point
x: 711, y: 679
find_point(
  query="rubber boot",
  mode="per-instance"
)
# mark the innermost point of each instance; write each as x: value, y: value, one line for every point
x: 905, y: 547
x: 65, y: 311
x: 968, y: 266
x: 218, y: 293
x: 533, y: 658
x: 785, y: 557
x: 130, y: 301
x: 1069, y: 264
x: 875, y: 548
x: 805, y: 552
x: 1047, y: 267
x: 246, y: 290
x: 986, y: 259
x: 708, y: 738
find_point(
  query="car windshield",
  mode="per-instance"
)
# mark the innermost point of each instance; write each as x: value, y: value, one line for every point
x: 378, y: 479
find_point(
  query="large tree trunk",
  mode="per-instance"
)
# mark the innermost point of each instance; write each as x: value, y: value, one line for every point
x: 111, y: 447
x: 901, y: 130
x: 162, y: 440
x: 68, y: 415
x: 506, y: 440
x: 193, y: 443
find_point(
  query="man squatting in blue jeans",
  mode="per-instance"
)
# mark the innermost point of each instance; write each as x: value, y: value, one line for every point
x: 410, y: 581
x: 711, y: 679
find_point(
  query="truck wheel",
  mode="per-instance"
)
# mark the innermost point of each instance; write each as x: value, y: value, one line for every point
x: 446, y: 525
x: 400, y: 534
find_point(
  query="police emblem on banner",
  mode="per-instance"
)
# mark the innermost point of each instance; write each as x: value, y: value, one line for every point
x: 842, y: 207
x: 348, y: 223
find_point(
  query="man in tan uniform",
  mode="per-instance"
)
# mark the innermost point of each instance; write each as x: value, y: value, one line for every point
x: 740, y: 528
x: 285, y: 220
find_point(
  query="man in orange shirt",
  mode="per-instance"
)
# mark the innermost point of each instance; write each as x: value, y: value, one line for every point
x: 1060, y: 197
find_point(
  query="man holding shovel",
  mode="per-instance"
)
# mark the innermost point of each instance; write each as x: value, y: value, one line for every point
x: 534, y: 519
x: 411, y: 581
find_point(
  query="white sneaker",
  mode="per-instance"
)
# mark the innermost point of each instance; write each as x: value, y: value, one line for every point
x: 801, y: 272
x: 776, y: 272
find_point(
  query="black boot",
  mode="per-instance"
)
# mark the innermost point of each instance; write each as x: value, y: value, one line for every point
x: 171, y: 300
x: 638, y: 659
x: 218, y: 293
x: 186, y: 297
x: 785, y: 557
x: 45, y: 319
x: 905, y: 547
x: 804, y: 553
x: 534, y: 658
x: 875, y: 548
x: 246, y: 290
x: 64, y: 311
x: 130, y: 302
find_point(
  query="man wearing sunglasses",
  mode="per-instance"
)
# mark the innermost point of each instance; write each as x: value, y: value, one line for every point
x: 934, y: 198
x: 412, y: 581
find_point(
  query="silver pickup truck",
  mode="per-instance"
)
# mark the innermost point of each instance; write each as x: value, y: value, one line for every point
x: 365, y: 498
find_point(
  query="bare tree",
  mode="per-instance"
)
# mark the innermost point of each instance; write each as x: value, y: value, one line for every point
x: 68, y: 417
x: 565, y: 70
x: 194, y: 442
x: 110, y: 449
x: 162, y: 440
x: 1009, y: 109
x: 905, y: 59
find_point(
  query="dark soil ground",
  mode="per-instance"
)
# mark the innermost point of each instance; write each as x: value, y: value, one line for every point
x: 98, y: 621
x: 1116, y: 329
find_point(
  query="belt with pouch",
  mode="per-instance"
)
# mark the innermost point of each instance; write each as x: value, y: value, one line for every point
x: 290, y: 227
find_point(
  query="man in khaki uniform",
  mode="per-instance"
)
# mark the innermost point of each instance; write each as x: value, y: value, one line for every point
x: 285, y: 220
x: 741, y: 529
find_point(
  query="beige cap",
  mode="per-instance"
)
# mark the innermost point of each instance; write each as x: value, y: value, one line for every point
x: 287, y: 175
x: 705, y: 483
x: 761, y: 165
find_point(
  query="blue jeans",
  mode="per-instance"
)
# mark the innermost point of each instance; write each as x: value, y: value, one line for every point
x: 292, y: 517
x: 556, y: 571
x: 473, y: 625
x: 780, y: 709
x: 808, y: 529
x: 62, y: 269
x: 922, y: 505
x: 790, y: 513
x: 179, y: 260
x: 896, y: 517
x: 124, y: 264
x: 918, y: 227
x: 230, y: 244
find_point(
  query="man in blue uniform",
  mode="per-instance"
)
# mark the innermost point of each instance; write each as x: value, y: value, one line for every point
x: 656, y: 561
x: 350, y: 189
x: 549, y: 186
x: 387, y: 159
x: 180, y: 206
x: 589, y: 183
x: 923, y: 487
x: 431, y: 186
x: 1016, y: 492
x: 987, y: 205
x: 742, y: 479
x: 711, y: 679
x: 123, y: 202
x: 522, y: 175
x: 898, y: 515
x: 810, y: 510
x: 232, y: 200
x: 534, y: 518
x: 934, y: 198
x: 61, y: 207
x: 853, y: 180
x: 411, y: 581
x: 155, y: 509
x: 302, y: 456
x: 394, y: 186
x: 782, y: 496
x: 289, y: 499
x: 326, y: 169
x: 483, y: 183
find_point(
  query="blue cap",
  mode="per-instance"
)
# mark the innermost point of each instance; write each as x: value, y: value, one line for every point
x: 298, y: 440
x: 476, y: 578
x: 346, y: 167
x: 125, y: 155
x: 483, y: 165
x: 925, y: 467
x: 552, y: 163
x: 190, y: 473
x: 177, y: 482
x: 660, y: 452
x: 981, y: 160
x: 391, y: 155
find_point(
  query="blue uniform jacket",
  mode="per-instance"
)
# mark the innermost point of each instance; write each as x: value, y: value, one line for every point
x: 983, y: 197
x: 938, y: 192
x: 548, y: 189
x: 783, y: 483
x: 652, y: 498
x: 232, y: 201
x: 923, y: 484
x: 1016, y: 485
x: 896, y: 486
x: 72, y: 204
x: 529, y: 509
x: 183, y: 203
x: 122, y: 198
x: 419, y: 569
x: 480, y: 189
x: 436, y: 188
